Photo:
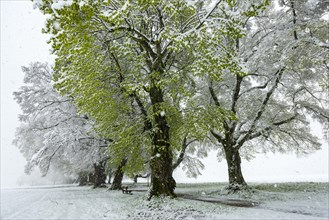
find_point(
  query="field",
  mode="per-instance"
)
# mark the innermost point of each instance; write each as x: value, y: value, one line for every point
x: 194, y: 201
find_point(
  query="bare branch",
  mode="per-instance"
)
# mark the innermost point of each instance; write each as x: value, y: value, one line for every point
x: 269, y: 128
x: 208, y: 15
x: 49, y: 160
x: 212, y: 93
x: 180, y: 158
x: 256, y: 87
x: 262, y: 108
x: 236, y: 92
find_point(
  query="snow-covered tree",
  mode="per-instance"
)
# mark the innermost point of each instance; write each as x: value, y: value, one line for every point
x: 51, y: 128
x: 52, y: 133
x: 130, y: 66
x: 284, y: 84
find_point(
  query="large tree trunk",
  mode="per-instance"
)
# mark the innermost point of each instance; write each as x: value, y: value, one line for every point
x: 236, y: 180
x: 118, y: 176
x: 162, y: 181
x: 99, y: 175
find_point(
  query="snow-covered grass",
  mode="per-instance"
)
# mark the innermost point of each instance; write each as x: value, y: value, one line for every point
x: 274, y: 201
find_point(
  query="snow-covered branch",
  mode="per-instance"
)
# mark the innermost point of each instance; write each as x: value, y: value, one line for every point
x: 262, y: 107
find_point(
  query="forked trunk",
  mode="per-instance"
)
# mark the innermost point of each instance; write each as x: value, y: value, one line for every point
x: 236, y: 180
x: 118, y: 176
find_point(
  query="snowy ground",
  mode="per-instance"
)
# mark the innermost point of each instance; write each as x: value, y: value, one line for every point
x: 275, y: 201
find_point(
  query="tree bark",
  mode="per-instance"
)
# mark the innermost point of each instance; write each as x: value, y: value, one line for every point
x: 236, y: 180
x: 118, y: 176
x: 162, y: 181
x: 99, y: 175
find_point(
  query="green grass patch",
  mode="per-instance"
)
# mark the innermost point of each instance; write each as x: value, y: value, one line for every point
x: 292, y: 187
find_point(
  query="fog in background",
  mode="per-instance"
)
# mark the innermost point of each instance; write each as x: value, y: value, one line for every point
x: 23, y: 43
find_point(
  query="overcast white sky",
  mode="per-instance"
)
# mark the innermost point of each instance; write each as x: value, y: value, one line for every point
x: 23, y: 43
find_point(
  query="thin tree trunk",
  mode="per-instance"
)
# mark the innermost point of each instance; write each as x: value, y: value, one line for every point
x: 99, y: 175
x: 109, y: 176
x: 135, y: 179
x: 118, y: 176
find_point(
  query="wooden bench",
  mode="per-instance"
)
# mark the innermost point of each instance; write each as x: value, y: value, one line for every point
x: 125, y: 190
